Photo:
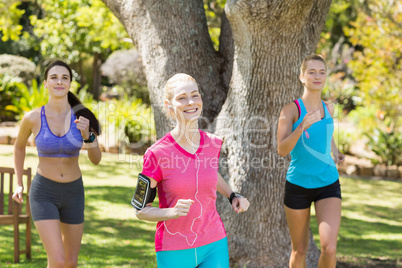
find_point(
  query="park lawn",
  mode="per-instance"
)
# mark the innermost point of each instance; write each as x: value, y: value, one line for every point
x: 371, y: 225
x: 113, y: 237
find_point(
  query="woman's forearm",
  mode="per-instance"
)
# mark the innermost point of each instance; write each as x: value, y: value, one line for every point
x: 155, y: 214
x: 19, y: 158
x: 222, y: 187
x: 94, y: 153
x: 286, y: 145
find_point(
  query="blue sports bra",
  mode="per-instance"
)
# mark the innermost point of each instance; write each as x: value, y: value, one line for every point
x: 50, y: 145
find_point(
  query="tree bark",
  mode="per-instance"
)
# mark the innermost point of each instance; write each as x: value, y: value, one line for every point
x: 245, y: 84
x: 96, y: 75
x: 270, y: 40
x: 172, y: 37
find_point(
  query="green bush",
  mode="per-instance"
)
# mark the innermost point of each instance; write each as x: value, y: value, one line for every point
x: 136, y: 119
x: 29, y: 98
x: 133, y: 131
x: 344, y: 139
x: 127, y: 121
x: 386, y: 145
x: 16, y: 66
x: 8, y: 91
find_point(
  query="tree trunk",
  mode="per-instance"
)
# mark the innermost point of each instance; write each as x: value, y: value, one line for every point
x: 172, y: 37
x: 78, y: 66
x: 270, y: 41
x: 96, y: 75
x: 245, y: 85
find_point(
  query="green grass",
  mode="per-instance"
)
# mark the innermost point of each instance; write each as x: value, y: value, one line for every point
x: 371, y: 227
x: 113, y: 237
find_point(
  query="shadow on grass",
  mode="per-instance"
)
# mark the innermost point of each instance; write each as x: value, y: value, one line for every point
x: 360, y: 238
x: 358, y: 232
x: 127, y: 243
x: 111, y: 194
x: 110, y: 239
x: 115, y: 241
x: 379, y: 212
x: 7, y: 249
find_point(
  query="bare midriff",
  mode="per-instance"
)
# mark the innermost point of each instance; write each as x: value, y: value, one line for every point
x: 60, y: 169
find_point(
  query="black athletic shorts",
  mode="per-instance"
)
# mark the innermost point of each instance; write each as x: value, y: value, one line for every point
x: 297, y: 197
x: 52, y: 200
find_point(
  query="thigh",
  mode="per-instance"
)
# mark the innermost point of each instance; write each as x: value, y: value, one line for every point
x: 328, y: 213
x: 73, y: 203
x: 50, y: 234
x: 185, y: 258
x: 298, y: 221
x: 72, y: 235
x: 44, y: 199
x: 297, y: 197
x: 215, y: 254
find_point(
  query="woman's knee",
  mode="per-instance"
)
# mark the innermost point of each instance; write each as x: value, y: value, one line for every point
x: 57, y: 261
x: 71, y: 262
x: 329, y: 250
x: 300, y: 250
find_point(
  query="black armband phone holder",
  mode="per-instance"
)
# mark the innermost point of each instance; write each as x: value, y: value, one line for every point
x: 144, y: 194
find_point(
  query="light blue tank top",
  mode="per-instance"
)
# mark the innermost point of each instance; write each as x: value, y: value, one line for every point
x: 50, y: 145
x: 311, y: 163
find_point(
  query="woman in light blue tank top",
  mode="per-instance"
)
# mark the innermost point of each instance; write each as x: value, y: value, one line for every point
x: 56, y: 196
x: 305, y: 130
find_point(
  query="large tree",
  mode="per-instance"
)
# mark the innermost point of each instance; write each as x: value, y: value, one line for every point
x: 245, y: 83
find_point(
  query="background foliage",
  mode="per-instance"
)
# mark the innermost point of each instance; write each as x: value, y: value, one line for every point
x: 361, y: 42
x: 363, y: 45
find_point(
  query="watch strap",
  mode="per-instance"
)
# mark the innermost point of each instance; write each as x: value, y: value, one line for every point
x: 233, y: 195
x: 91, y: 138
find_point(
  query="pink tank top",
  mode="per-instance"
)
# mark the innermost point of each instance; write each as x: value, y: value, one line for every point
x: 175, y: 170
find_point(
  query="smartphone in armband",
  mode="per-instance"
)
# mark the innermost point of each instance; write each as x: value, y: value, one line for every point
x: 144, y: 194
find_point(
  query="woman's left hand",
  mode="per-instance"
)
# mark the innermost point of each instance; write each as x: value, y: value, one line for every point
x: 83, y: 126
x: 339, y: 157
x: 240, y: 204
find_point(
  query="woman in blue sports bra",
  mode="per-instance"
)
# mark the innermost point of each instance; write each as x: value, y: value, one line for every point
x: 61, y: 128
x: 305, y: 130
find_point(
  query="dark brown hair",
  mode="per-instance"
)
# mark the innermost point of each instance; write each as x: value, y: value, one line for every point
x: 78, y: 108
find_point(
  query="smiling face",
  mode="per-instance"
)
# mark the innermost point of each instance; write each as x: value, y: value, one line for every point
x: 186, y: 103
x: 58, y: 81
x: 314, y: 75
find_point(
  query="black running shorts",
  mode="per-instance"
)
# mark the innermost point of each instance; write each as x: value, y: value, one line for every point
x: 297, y: 197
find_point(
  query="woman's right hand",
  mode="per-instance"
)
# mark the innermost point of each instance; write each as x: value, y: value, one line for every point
x: 181, y: 208
x: 310, y: 118
x: 17, y: 196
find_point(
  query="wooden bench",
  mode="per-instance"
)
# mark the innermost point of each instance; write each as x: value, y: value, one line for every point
x: 13, y: 213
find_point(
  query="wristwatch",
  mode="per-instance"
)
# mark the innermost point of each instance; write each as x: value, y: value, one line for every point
x: 91, y: 138
x: 234, y: 195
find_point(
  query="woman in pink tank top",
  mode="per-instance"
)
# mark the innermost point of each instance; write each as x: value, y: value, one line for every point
x: 184, y: 166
